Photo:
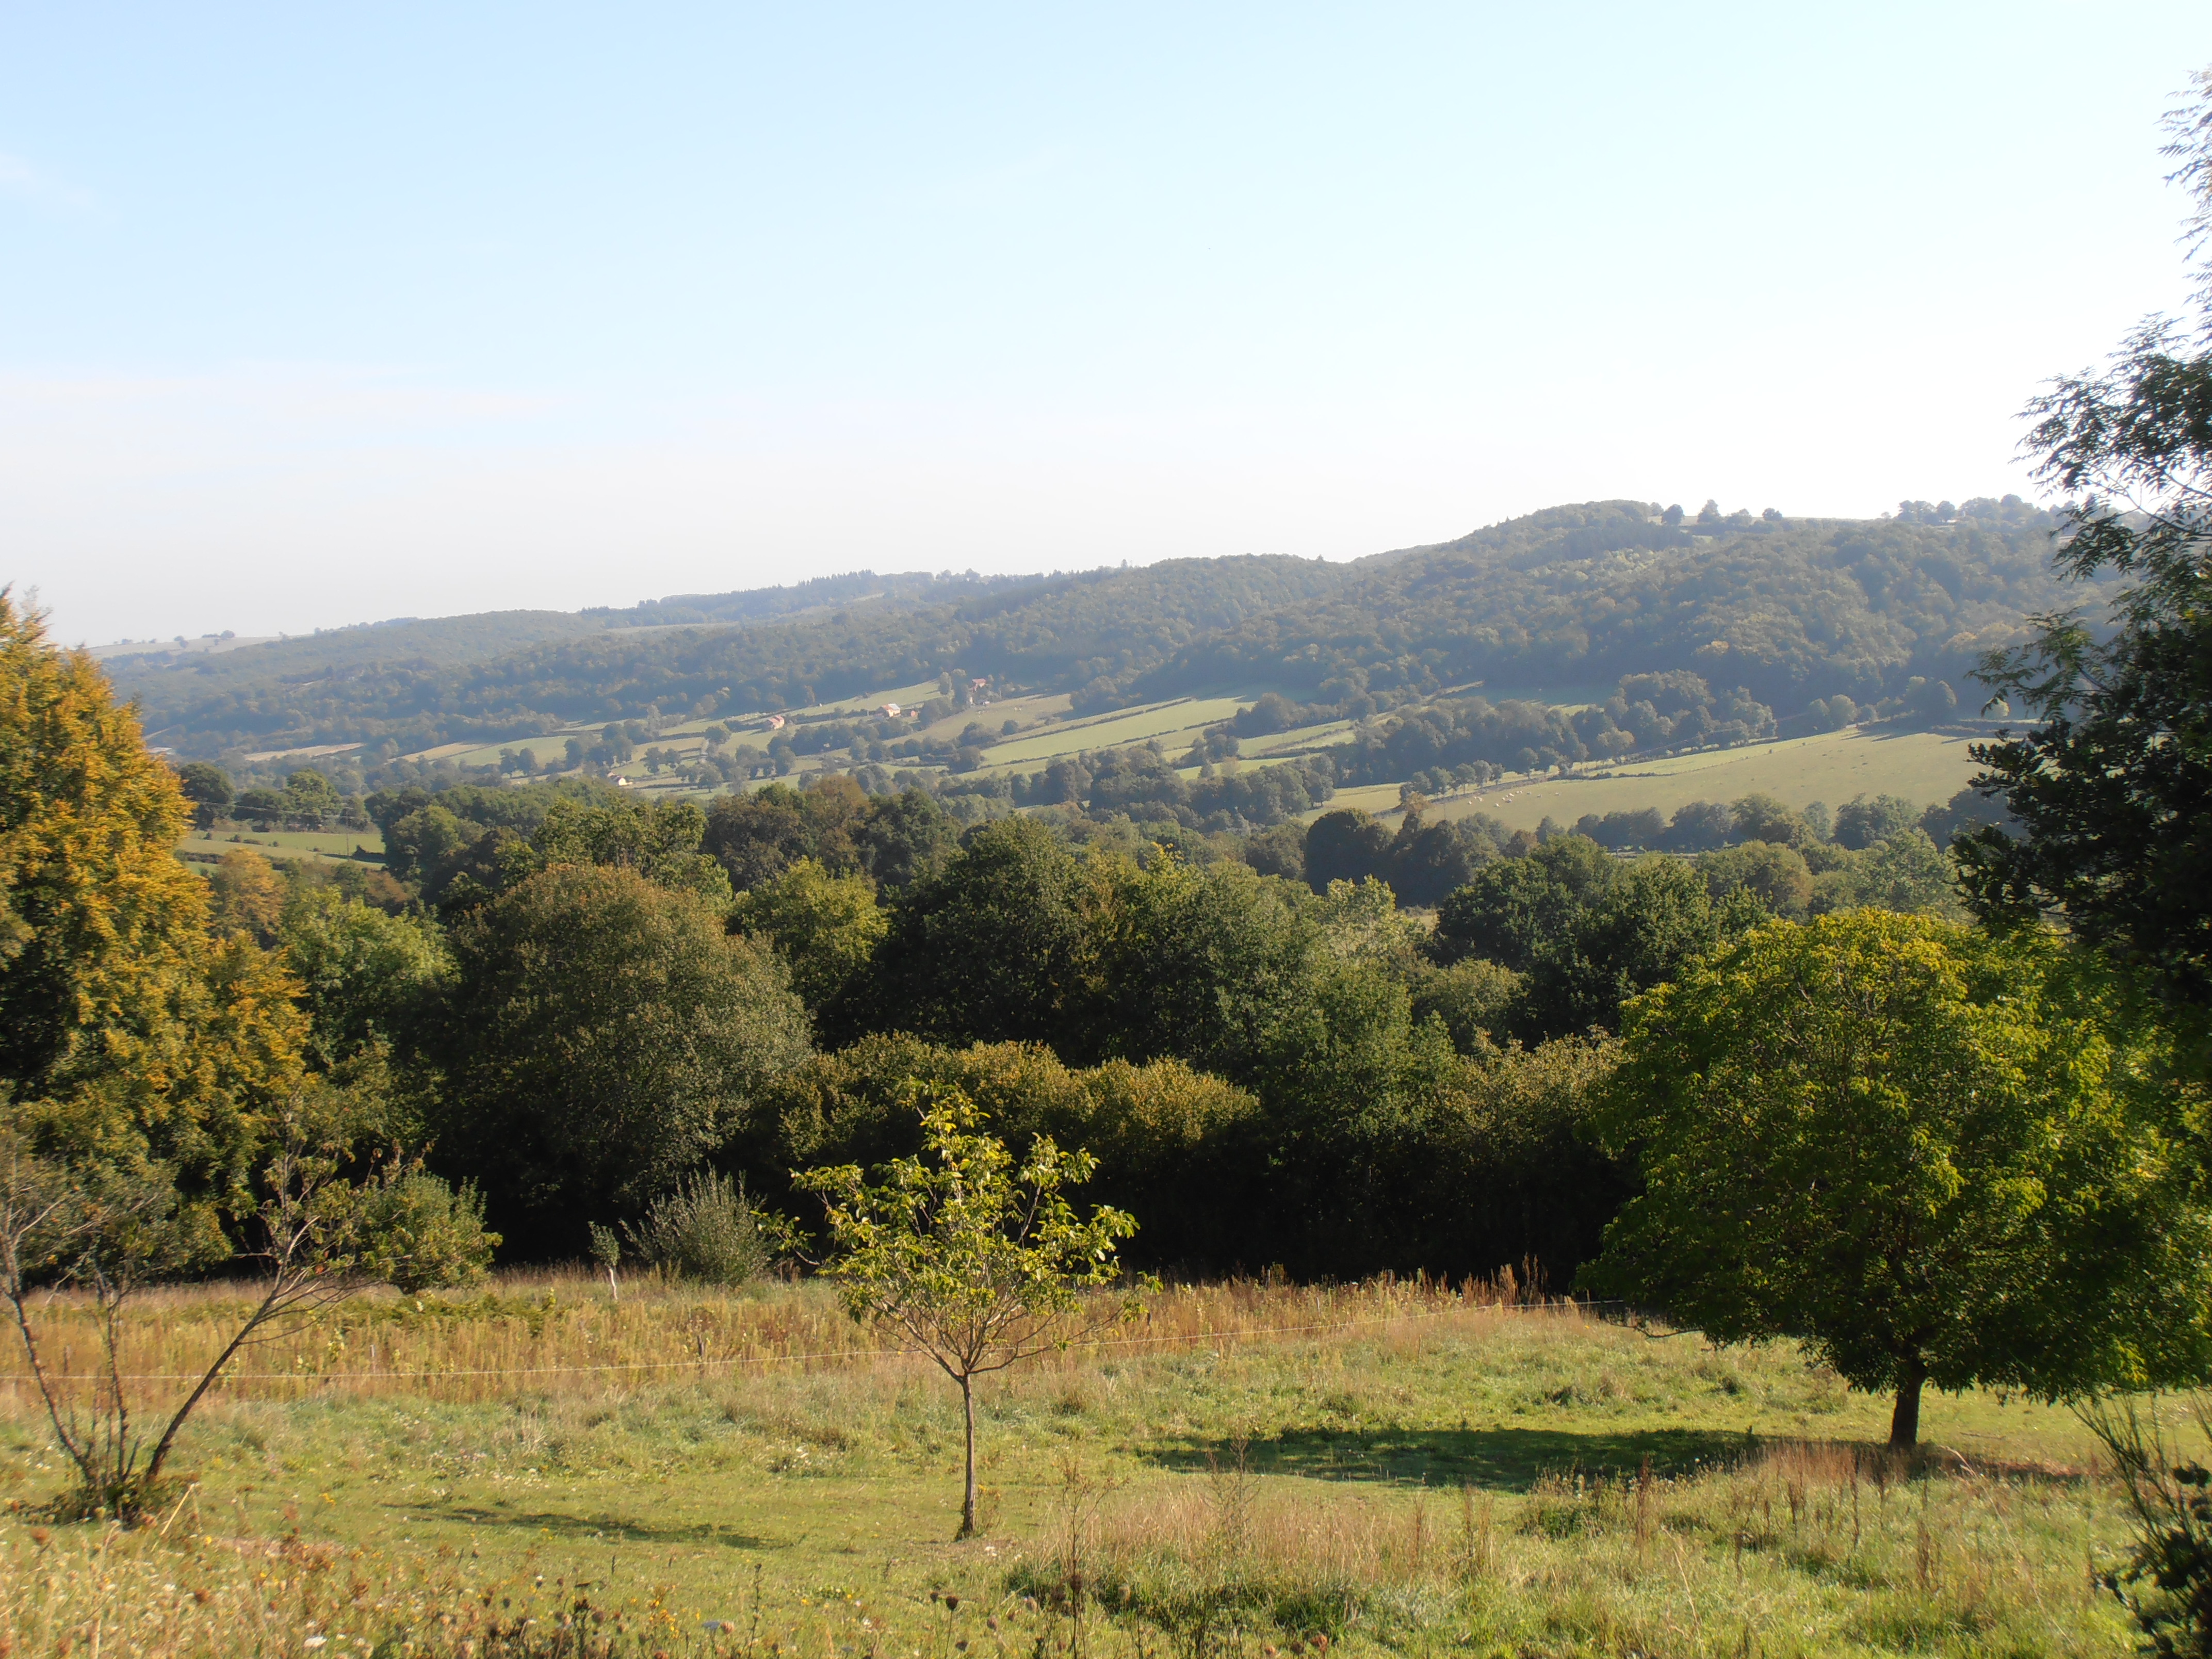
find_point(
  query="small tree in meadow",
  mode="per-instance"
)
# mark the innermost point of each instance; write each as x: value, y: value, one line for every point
x: 977, y: 1262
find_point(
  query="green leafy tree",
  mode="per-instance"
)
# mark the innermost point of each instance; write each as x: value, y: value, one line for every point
x: 365, y: 975
x: 1776, y: 877
x: 1762, y: 817
x: 415, y: 846
x: 1654, y: 918
x: 825, y: 928
x: 603, y: 1037
x: 2112, y: 785
x: 970, y: 1258
x: 1928, y: 1155
x: 310, y: 798
x: 662, y: 841
x: 1513, y: 909
x: 1859, y: 822
x: 207, y: 786
x: 1906, y: 872
x: 991, y: 948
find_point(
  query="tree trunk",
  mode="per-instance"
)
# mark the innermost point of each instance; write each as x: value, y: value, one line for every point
x: 1904, y: 1421
x: 968, y: 1418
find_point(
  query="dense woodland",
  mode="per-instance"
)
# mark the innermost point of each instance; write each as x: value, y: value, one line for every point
x: 1784, y: 611
x: 582, y: 998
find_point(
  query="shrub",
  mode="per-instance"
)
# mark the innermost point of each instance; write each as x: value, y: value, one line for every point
x: 436, y: 1232
x: 707, y: 1229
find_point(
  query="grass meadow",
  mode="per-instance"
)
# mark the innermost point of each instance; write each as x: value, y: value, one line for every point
x: 1922, y: 767
x: 207, y: 845
x: 1248, y: 1470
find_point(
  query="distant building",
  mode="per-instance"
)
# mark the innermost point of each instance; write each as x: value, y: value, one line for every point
x: 889, y: 711
x: 775, y: 722
x: 977, y: 685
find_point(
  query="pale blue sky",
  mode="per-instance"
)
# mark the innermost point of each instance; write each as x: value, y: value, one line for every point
x: 311, y: 315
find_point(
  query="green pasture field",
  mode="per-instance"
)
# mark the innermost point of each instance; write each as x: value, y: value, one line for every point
x: 1923, y: 766
x: 203, y: 844
x: 1184, y: 715
x: 1434, y: 1478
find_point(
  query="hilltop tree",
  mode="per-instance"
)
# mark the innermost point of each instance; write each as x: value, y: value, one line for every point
x: 1928, y: 1155
x: 969, y: 1259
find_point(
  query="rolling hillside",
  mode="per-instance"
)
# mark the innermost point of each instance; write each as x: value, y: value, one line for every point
x: 1572, y: 597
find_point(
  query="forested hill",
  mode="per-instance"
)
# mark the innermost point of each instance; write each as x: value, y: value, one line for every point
x: 214, y: 700
x: 1788, y: 609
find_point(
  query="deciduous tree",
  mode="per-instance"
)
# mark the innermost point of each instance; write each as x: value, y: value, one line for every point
x: 1928, y: 1155
x: 976, y: 1261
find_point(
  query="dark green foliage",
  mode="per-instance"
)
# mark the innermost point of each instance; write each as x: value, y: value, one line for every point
x: 1699, y: 826
x: 1967, y: 811
x: 1776, y: 877
x: 2113, y: 785
x: 663, y: 842
x: 1422, y: 860
x: 1762, y: 817
x: 895, y: 839
x: 990, y: 949
x: 1186, y: 1151
x: 1640, y: 831
x: 901, y: 838
x: 1513, y: 909
x: 603, y: 1036
x: 1653, y: 920
x: 1583, y: 931
x: 1488, y: 1172
x: 207, y: 786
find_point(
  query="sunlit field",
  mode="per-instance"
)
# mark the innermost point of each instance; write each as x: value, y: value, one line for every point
x: 1243, y: 1469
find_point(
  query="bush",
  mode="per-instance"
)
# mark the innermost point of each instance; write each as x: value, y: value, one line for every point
x: 706, y: 1230
x: 435, y: 1232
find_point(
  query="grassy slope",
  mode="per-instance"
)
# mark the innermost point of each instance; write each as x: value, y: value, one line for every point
x: 201, y: 845
x: 1428, y: 1475
x: 1922, y: 767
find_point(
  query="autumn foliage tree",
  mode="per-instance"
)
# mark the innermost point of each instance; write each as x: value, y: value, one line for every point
x: 128, y: 1035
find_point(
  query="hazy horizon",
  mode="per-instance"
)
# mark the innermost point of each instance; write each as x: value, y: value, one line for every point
x: 311, y: 320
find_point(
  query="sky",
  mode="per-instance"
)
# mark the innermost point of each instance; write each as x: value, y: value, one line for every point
x: 318, y: 315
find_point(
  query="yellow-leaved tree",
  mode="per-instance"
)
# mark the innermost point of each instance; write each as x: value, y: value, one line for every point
x: 157, y: 1111
x: 127, y: 1033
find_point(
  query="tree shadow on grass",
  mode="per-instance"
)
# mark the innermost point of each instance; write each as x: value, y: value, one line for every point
x: 593, y: 1528
x: 1507, y: 1459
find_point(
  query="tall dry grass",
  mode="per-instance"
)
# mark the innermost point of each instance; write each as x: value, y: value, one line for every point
x: 563, y: 1334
